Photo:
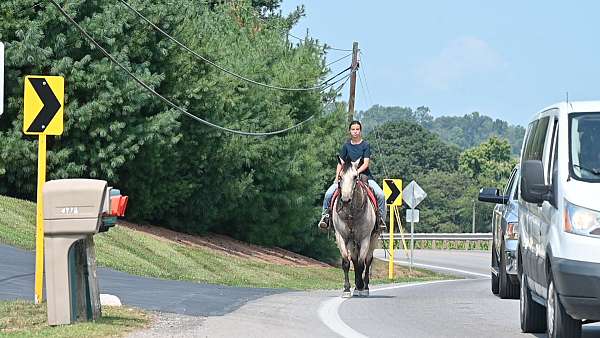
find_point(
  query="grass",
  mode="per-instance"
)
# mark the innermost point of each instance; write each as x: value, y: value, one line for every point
x: 141, y: 254
x: 24, y: 319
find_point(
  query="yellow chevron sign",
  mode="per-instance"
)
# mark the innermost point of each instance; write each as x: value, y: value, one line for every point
x: 43, y: 103
x: 392, y: 189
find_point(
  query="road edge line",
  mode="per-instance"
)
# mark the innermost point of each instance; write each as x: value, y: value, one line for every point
x: 328, y: 310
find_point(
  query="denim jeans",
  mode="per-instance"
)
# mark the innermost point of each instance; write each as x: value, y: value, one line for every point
x: 376, y: 189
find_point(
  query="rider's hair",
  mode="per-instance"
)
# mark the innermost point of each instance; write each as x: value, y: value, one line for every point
x: 353, y: 123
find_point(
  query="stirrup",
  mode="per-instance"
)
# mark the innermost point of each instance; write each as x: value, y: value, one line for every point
x: 324, y: 222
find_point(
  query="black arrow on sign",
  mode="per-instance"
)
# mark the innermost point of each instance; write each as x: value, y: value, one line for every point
x: 395, y: 192
x: 50, y: 108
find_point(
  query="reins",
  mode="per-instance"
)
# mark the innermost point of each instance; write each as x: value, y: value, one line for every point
x: 349, y: 214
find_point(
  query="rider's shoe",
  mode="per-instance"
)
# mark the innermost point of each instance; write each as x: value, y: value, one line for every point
x: 324, y: 222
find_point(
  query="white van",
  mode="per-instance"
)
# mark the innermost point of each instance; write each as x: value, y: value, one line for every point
x: 559, y: 216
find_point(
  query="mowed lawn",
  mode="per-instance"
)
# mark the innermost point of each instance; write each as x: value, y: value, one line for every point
x: 139, y: 253
x: 25, y: 319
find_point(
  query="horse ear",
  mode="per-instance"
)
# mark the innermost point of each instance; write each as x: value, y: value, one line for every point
x: 358, y: 163
x: 347, y: 159
x: 340, y: 161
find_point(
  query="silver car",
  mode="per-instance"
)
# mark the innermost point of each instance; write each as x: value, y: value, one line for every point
x: 505, y: 229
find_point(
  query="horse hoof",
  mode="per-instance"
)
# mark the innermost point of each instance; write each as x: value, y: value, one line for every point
x: 347, y: 294
x: 361, y: 293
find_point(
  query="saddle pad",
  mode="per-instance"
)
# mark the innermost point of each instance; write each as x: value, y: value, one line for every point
x: 364, y: 186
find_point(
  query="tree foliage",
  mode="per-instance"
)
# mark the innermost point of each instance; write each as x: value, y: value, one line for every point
x: 464, y: 131
x: 491, y: 160
x: 407, y: 150
x: 451, y: 179
x: 177, y: 172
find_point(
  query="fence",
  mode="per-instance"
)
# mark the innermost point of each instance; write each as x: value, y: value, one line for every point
x: 477, y: 241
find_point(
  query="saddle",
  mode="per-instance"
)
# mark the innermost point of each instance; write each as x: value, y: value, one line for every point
x: 364, y: 186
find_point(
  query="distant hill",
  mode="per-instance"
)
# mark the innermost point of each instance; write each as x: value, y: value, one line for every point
x: 463, y: 131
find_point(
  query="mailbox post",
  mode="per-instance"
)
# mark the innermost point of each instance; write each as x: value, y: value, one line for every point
x: 75, y: 210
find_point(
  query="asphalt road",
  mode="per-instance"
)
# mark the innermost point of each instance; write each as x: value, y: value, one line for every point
x: 458, y: 308
x: 468, y: 264
x: 17, y: 269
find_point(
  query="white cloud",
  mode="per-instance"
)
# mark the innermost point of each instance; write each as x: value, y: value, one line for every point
x: 460, y: 59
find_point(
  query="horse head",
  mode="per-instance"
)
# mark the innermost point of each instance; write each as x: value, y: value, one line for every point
x: 349, y: 176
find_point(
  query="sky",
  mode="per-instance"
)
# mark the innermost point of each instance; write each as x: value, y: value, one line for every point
x: 505, y: 59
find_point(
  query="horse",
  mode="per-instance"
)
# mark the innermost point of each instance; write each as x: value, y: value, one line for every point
x: 356, y: 235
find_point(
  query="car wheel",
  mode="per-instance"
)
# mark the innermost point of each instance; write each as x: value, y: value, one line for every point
x: 560, y: 324
x: 495, y: 282
x: 508, y: 289
x: 533, y: 317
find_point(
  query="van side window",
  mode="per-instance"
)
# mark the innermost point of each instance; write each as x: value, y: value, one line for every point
x: 534, y: 149
x: 553, y: 149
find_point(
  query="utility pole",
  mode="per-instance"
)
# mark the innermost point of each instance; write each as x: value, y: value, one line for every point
x: 354, y: 67
x: 473, y: 216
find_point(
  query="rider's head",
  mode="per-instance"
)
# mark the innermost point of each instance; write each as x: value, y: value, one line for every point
x: 355, y: 129
x: 353, y: 123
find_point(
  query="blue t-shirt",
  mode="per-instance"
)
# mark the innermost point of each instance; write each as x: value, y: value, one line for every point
x: 355, y: 152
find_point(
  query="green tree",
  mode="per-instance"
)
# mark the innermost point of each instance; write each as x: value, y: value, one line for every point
x: 177, y: 172
x: 463, y: 131
x: 491, y: 159
x: 406, y: 150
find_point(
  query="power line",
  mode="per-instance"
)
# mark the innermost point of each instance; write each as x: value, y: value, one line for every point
x: 170, y: 103
x: 338, y: 60
x: 320, y: 87
x: 365, y: 77
x: 326, y: 46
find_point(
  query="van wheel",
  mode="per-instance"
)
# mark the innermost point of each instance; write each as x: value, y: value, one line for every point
x: 560, y: 324
x: 533, y: 317
x: 495, y: 282
x: 508, y: 289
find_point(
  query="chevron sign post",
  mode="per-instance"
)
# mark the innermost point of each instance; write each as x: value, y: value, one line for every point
x: 392, y: 190
x: 43, y: 109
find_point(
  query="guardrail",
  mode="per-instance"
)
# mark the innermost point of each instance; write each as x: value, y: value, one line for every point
x: 442, y: 237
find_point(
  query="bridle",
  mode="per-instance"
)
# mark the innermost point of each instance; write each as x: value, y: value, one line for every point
x: 342, y: 207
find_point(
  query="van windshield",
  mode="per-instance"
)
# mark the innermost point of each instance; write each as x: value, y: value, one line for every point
x: 584, y: 136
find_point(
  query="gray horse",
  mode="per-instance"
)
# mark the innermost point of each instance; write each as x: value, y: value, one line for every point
x: 355, y: 233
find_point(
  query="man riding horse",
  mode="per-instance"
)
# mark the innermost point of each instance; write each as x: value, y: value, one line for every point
x: 355, y: 149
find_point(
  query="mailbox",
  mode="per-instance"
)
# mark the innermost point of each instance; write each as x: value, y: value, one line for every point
x: 75, y: 210
x: 73, y: 206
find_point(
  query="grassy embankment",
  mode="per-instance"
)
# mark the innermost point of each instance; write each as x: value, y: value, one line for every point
x: 25, y: 319
x: 142, y: 254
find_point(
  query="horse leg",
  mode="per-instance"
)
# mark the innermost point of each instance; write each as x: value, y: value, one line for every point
x: 344, y: 252
x: 367, y: 273
x: 365, y: 258
x: 346, y: 268
x: 369, y: 260
x: 358, y: 272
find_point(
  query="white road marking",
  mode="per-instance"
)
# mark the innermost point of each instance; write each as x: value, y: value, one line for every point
x: 438, y: 267
x: 328, y: 311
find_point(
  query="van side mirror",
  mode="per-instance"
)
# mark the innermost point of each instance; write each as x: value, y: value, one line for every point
x: 492, y: 195
x: 533, y: 187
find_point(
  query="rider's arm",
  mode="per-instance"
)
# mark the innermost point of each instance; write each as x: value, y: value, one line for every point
x: 337, y: 171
